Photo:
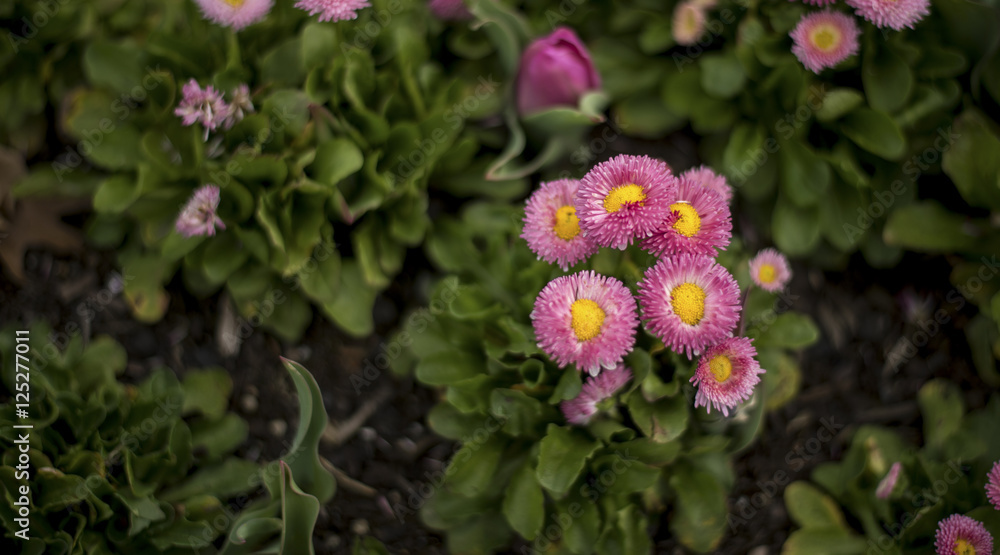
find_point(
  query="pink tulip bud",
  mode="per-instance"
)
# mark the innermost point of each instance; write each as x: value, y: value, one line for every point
x: 555, y: 71
x: 449, y: 10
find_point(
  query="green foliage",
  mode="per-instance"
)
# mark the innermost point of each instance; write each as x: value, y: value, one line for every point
x: 146, y: 468
x: 521, y: 469
x: 323, y: 187
x: 946, y: 476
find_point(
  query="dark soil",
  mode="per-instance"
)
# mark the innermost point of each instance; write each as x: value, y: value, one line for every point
x: 846, y: 382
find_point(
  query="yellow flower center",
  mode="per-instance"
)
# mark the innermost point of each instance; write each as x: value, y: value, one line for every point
x: 624, y: 194
x: 767, y: 273
x: 963, y: 547
x: 567, y: 225
x: 721, y: 367
x: 690, y: 20
x: 825, y: 37
x: 688, y: 302
x: 587, y: 319
x: 688, y: 222
x: 235, y: 3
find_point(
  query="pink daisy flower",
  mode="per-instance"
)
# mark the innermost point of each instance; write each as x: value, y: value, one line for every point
x: 770, y: 271
x: 961, y: 535
x: 198, y: 216
x: 690, y: 302
x: 824, y: 39
x: 235, y: 13
x: 700, y: 225
x: 888, y: 483
x: 895, y: 14
x: 993, y: 486
x: 726, y: 375
x: 240, y: 106
x: 332, y: 10
x: 582, y: 408
x: 551, y: 227
x: 202, y: 105
x: 705, y: 177
x: 449, y: 10
x: 624, y: 198
x: 585, y: 319
x: 688, y: 23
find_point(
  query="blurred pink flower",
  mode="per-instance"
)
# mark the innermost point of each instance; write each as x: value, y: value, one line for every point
x: 202, y: 105
x: 555, y: 71
x: 894, y: 14
x: 885, y: 487
x: 332, y: 10
x: 449, y: 10
x: 581, y: 408
x: 235, y: 13
x: 824, y: 39
x: 688, y: 23
x: 198, y: 216
x: 239, y: 107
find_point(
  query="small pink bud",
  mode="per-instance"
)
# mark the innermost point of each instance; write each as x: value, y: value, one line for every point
x: 555, y: 71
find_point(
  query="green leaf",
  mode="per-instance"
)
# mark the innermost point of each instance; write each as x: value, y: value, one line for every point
x: 790, y: 330
x: 823, y: 541
x: 472, y: 468
x: 927, y: 226
x: 942, y: 408
x: 207, y: 392
x: 888, y: 80
x: 524, y: 502
x: 700, y: 511
x: 224, y: 480
x: 304, y: 454
x: 352, y: 309
x: 116, y: 194
x: 805, y: 177
x: 116, y: 66
x: 663, y: 420
x: 796, y: 230
x: 447, y: 368
x: 875, y: 132
x: 810, y: 508
x: 969, y: 161
x: 299, y: 512
x: 221, y: 437
x: 563, y: 454
x: 837, y: 103
x: 336, y: 159
x: 722, y: 74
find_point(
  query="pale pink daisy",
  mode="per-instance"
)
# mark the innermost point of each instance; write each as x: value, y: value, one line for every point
x: 824, y: 39
x: 235, y: 13
x: 962, y: 535
x: 688, y: 23
x: 198, y: 216
x: 332, y: 10
x: 239, y: 106
x: 625, y: 198
x: 726, y: 375
x: 449, y: 10
x: 551, y: 227
x: 894, y: 14
x: 993, y: 486
x: 204, y: 106
x: 584, y: 406
x: 585, y: 319
x: 888, y: 483
x: 690, y: 302
x: 770, y: 271
x: 701, y: 224
x: 704, y: 176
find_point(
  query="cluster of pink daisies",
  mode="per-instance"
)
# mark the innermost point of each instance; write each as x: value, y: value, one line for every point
x: 208, y: 107
x: 824, y: 39
x: 686, y: 299
x: 957, y: 534
x: 241, y: 13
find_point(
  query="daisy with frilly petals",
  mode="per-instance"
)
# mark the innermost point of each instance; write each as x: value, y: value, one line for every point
x: 624, y: 198
x: 585, y: 319
x: 688, y: 23
x: 962, y: 535
x: 235, y: 13
x: 701, y: 224
x: 551, y: 227
x: 332, y: 10
x: 770, y: 271
x: 993, y: 486
x: 240, y: 106
x: 726, y: 375
x: 582, y: 408
x: 705, y: 177
x: 198, y: 216
x: 202, y: 105
x: 888, y: 483
x: 824, y: 39
x: 690, y: 302
x: 894, y: 14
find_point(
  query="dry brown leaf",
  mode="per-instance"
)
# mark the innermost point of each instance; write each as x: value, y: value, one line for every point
x: 37, y: 222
